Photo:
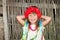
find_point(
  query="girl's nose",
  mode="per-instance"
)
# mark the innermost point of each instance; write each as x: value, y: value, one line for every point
x: 32, y: 16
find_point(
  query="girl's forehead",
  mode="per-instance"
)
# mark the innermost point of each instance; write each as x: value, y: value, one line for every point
x: 33, y: 13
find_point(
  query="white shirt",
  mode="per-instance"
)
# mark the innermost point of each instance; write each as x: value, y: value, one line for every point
x: 31, y: 33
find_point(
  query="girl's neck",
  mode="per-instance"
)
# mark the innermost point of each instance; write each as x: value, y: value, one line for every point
x: 33, y: 27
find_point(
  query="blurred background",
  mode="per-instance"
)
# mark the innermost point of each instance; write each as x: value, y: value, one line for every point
x: 10, y: 29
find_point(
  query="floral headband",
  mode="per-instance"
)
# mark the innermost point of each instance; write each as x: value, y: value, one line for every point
x: 33, y: 9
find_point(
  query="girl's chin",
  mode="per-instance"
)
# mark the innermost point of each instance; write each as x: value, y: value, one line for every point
x: 32, y: 22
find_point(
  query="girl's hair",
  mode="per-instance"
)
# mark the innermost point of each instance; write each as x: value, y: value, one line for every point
x: 34, y: 9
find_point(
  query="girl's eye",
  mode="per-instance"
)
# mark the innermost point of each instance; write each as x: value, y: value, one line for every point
x: 30, y: 15
x: 34, y: 14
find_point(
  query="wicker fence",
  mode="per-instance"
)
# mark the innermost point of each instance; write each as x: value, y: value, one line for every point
x: 17, y: 7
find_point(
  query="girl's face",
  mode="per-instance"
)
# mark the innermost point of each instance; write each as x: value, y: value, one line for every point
x: 32, y: 18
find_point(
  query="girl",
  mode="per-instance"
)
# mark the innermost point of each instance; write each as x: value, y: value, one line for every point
x: 33, y: 25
